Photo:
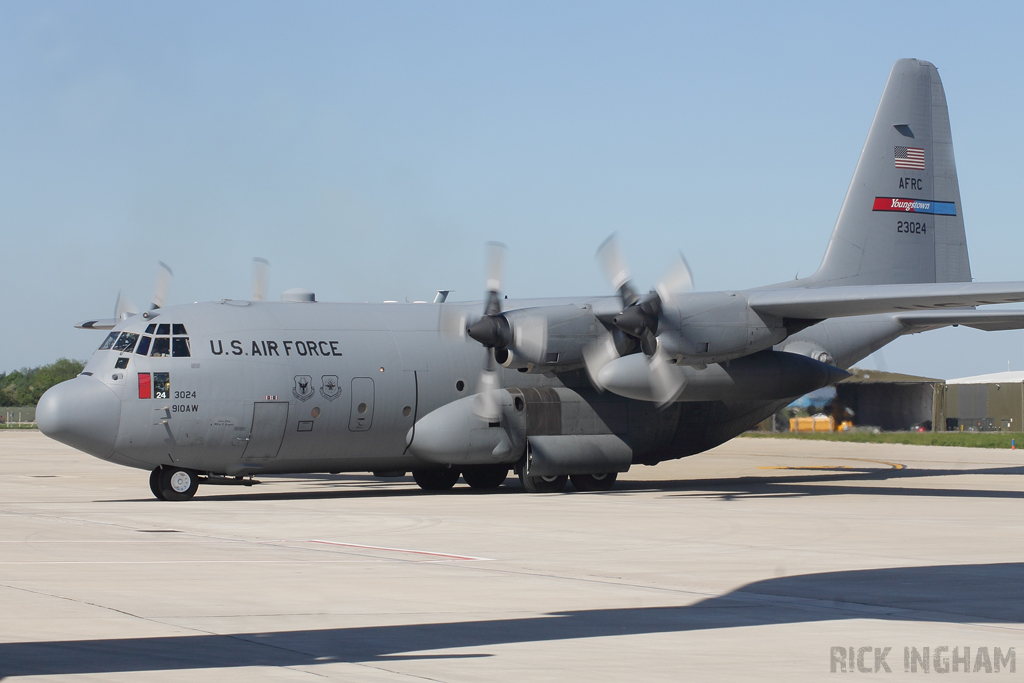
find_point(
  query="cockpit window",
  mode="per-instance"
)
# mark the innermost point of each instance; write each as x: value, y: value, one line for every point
x: 180, y: 347
x: 151, y: 328
x: 161, y: 347
x: 143, y: 348
x: 126, y: 342
x: 163, y: 328
x: 178, y: 328
x: 109, y: 341
x: 161, y: 384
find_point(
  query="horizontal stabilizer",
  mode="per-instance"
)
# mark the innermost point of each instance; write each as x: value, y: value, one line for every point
x: 988, y: 321
x: 838, y: 302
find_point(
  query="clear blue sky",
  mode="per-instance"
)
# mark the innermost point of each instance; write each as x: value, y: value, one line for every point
x: 368, y: 150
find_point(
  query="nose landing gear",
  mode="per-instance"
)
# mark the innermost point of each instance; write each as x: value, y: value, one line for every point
x: 173, y: 483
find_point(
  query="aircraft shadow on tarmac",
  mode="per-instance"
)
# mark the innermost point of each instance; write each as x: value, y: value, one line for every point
x: 835, y: 482
x: 808, y: 482
x: 946, y: 594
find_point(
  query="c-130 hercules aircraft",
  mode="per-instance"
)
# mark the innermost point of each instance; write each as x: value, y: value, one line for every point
x: 570, y: 388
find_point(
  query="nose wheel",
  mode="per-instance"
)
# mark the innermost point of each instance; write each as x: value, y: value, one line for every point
x: 154, y: 484
x: 173, y: 483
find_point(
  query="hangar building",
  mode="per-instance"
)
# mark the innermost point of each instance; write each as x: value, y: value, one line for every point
x: 888, y: 400
x: 985, y: 403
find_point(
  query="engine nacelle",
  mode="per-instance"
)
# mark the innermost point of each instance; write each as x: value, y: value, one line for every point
x: 766, y: 375
x: 568, y: 434
x: 711, y: 327
x: 550, y: 336
x: 455, y: 435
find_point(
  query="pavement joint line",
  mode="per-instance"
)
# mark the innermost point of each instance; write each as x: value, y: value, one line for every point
x: 233, y: 636
x: 403, y: 550
x: 368, y: 560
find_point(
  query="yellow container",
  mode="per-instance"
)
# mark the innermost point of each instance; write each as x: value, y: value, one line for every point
x: 816, y: 423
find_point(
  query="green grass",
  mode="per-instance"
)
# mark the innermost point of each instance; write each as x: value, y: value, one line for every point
x: 964, y: 439
x: 18, y: 426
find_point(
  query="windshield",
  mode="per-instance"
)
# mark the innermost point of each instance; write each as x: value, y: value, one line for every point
x: 126, y: 342
x: 109, y: 341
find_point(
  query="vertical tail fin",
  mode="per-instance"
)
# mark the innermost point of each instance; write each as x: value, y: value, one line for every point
x: 901, y: 220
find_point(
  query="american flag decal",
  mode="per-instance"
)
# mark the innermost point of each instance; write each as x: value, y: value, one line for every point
x: 910, y: 157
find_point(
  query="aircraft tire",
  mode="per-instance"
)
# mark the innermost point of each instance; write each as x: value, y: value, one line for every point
x: 154, y: 484
x: 534, y: 484
x: 485, y: 477
x: 436, y: 480
x: 178, y: 483
x: 594, y: 482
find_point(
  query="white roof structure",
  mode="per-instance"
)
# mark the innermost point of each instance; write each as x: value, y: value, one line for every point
x: 1015, y: 377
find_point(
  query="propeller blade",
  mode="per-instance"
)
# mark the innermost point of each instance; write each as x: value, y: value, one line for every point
x: 614, y: 264
x: 453, y: 321
x: 598, y: 354
x: 645, y: 379
x: 124, y: 307
x: 530, y: 336
x: 163, y: 283
x: 260, y: 270
x: 667, y: 380
x: 679, y: 280
x: 495, y: 270
x: 486, y: 405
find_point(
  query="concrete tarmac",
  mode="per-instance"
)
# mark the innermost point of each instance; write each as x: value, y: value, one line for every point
x: 762, y: 559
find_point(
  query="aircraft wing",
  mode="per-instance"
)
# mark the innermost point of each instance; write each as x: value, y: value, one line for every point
x: 821, y: 303
x: 989, y: 321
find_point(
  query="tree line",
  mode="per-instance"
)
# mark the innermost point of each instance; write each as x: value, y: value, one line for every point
x: 24, y: 387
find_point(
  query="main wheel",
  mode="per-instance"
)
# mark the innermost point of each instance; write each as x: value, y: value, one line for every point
x: 154, y: 484
x: 535, y: 484
x: 436, y: 480
x: 485, y: 477
x: 594, y: 482
x: 177, y: 483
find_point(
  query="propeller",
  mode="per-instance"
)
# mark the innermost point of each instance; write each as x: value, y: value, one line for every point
x: 493, y: 332
x: 163, y: 284
x: 125, y: 307
x: 260, y: 270
x: 637, y: 324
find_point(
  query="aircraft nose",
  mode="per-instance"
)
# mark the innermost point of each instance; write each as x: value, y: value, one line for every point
x: 83, y: 413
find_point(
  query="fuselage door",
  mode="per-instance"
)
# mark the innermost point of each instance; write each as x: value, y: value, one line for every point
x: 268, y: 424
x: 361, y: 415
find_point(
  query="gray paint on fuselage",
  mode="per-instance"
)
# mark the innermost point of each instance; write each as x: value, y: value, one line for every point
x: 421, y: 370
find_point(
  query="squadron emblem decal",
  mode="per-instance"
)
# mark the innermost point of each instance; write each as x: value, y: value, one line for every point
x: 330, y: 388
x: 303, y: 389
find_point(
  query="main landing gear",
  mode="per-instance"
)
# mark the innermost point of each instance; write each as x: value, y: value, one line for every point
x: 581, y: 482
x: 490, y: 477
x: 594, y: 482
x: 173, y: 483
x: 485, y: 477
x: 436, y: 480
x: 479, y: 477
